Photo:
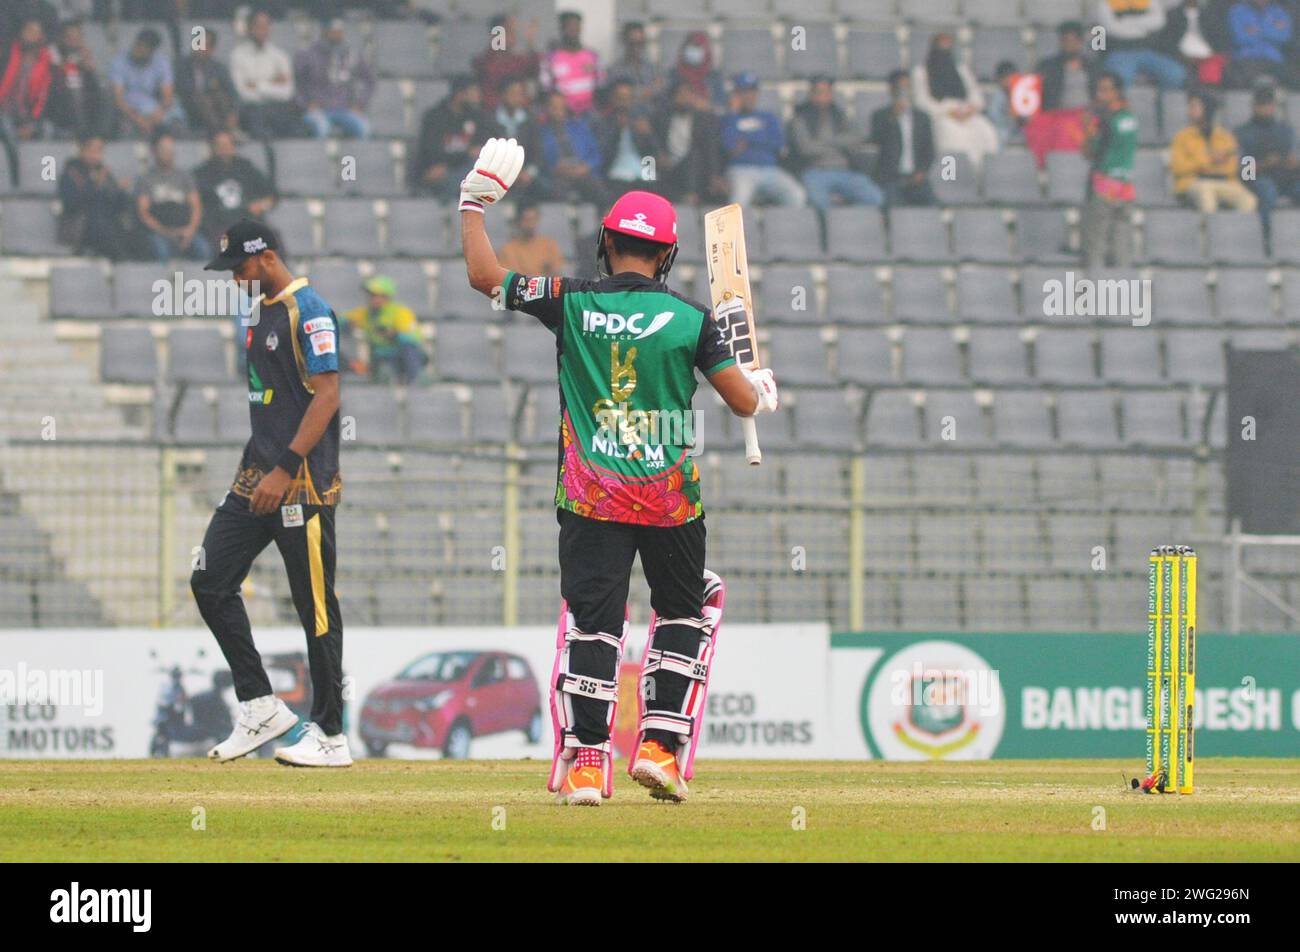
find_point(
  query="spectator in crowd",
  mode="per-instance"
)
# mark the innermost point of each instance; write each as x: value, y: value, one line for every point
x: 1068, y: 77
x: 1134, y: 32
x: 905, y: 139
x: 335, y: 83
x: 206, y: 90
x: 1000, y: 113
x: 1186, y: 37
x: 754, y: 144
x: 626, y: 139
x: 26, y: 83
x: 690, y: 159
x: 450, y: 135
x: 827, y: 146
x: 504, y: 61
x: 1271, y: 142
x: 571, y: 159
x: 168, y: 206
x: 695, y: 69
x: 143, y: 90
x: 14, y: 15
x: 1203, y: 161
x: 571, y: 69
x: 263, y: 75
x: 636, y: 68
x: 77, y: 96
x: 528, y: 252
x: 1111, y: 146
x: 391, y: 331
x: 230, y: 187
x: 1262, y: 34
x: 514, y: 120
x: 947, y: 90
x: 96, y: 205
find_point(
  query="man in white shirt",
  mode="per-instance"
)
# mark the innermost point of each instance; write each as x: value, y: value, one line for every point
x: 263, y: 75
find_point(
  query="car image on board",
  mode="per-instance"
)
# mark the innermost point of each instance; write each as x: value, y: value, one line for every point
x: 442, y: 700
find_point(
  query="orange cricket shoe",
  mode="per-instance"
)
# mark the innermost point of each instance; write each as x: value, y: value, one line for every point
x: 585, y: 780
x: 656, y: 769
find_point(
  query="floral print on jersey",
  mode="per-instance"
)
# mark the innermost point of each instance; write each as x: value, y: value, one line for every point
x: 670, y: 500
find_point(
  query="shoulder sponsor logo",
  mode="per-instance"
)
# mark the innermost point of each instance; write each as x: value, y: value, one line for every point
x: 598, y: 322
x: 637, y: 223
x: 272, y: 341
x: 322, y: 342
x: 555, y: 286
x: 535, y: 290
x: 318, y: 324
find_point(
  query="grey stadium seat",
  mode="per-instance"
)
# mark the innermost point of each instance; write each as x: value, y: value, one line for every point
x: 351, y: 228
x: 30, y: 228
x: 376, y: 415
x: 866, y: 102
x: 417, y: 227
x: 918, y: 234
x: 1196, y: 356
x: 1086, y: 419
x: 997, y: 356
x: 412, y: 283
x: 293, y: 222
x: 387, y: 112
x: 196, y: 355
x: 133, y: 282
x: 1043, y: 235
x: 434, y: 416
x: 854, y: 296
x: 36, y: 174
x: 459, y: 41
x: 1020, y: 418
x: 1244, y: 296
x: 801, y: 355
x: 964, y: 186
x: 991, y: 45
x: 920, y: 294
x: 753, y: 47
x: 526, y: 356
x: 965, y: 415
x: 1130, y: 355
x: 985, y: 294
x: 865, y: 357
x: 1151, y: 180
x: 374, y: 172
x: 1011, y: 178
x: 930, y: 356
x: 304, y: 167
x: 491, y: 415
x: 1173, y: 237
x: 1064, y: 356
x: 338, y: 282
x: 994, y: 13
x: 782, y: 288
x: 1153, y: 419
x: 554, y: 222
x: 824, y: 420
x: 127, y: 355
x: 455, y: 298
x: 980, y: 235
x: 892, y: 419
x: 1236, y: 238
x: 462, y: 351
x: 871, y: 54
x: 80, y: 291
x: 1180, y: 297
x: 543, y: 414
x: 855, y: 233
x: 1144, y: 103
x: 1067, y: 178
x: 402, y: 48
x: 820, y: 55
x: 792, y: 234
x: 1286, y: 235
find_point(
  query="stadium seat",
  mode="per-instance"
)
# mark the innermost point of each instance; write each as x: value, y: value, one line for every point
x: 856, y: 234
x: 1067, y: 178
x: 1196, y: 357
x: 963, y: 188
x: 991, y: 45
x: 1180, y: 297
x: 1286, y: 235
x: 492, y: 416
x: 997, y: 356
x: 930, y: 357
x: 338, y: 282
x: 1244, y: 296
x: 954, y: 413
x: 1086, y: 419
x: 823, y: 419
x: 1049, y: 13
x: 1153, y: 419
x: 985, y: 295
x: 871, y: 54
x: 1151, y: 180
x: 1020, y: 418
x: 127, y: 355
x: 41, y: 163
x: 854, y: 296
x: 892, y: 419
x: 412, y: 283
x: 1043, y: 235
x: 455, y: 298
x: 434, y: 416
x: 792, y: 234
x: 375, y: 171
x: 403, y: 49
x: 753, y: 47
x: 865, y: 357
x: 788, y: 294
x: 801, y: 355
x: 459, y: 41
x: 303, y: 166
x: 1236, y: 238
x: 1064, y: 356
x: 463, y: 352
x: 417, y: 227
x: 1173, y: 237
x: 1130, y: 356
x: 918, y: 234
x: 375, y: 414
x: 292, y: 220
x: 980, y: 235
x: 542, y: 414
x: 80, y: 291
x: 232, y: 414
x: 921, y: 295
x: 29, y: 227
x: 387, y: 113
x: 1144, y: 102
x: 351, y: 228
x: 1011, y: 178
x: 527, y: 356
x: 196, y: 355
x: 939, y: 12
x: 820, y: 55
x: 866, y: 102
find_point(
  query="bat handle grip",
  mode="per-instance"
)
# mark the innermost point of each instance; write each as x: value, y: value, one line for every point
x: 753, y: 454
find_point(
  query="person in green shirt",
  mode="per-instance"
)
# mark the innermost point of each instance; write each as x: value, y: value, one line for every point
x: 1111, y: 144
x: 392, y: 333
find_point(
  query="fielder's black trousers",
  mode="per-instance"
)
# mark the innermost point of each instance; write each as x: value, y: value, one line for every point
x: 234, y: 539
x: 595, y: 572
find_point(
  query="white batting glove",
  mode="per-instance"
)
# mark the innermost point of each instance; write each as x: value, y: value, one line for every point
x: 764, y: 384
x: 495, y: 170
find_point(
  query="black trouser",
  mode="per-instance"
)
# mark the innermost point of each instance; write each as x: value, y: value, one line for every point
x: 595, y: 571
x: 234, y: 539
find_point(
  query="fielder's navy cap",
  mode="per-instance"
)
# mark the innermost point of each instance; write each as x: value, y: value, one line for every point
x: 243, y: 240
x: 745, y: 80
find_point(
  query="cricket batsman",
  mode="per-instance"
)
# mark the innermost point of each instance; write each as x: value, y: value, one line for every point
x: 285, y: 492
x: 626, y: 348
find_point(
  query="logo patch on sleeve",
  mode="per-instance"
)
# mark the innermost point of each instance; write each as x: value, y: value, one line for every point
x: 322, y: 342
x: 535, y: 290
x: 318, y: 324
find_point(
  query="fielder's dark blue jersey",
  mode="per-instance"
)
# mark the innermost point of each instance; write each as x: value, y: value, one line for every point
x: 290, y: 338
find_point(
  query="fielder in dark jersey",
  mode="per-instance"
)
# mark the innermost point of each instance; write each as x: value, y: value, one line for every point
x: 285, y: 492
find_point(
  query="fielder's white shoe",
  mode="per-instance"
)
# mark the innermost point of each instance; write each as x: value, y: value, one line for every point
x: 315, y: 749
x: 260, y: 720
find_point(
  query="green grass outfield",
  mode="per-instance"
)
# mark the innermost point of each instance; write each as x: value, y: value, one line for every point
x: 740, y: 810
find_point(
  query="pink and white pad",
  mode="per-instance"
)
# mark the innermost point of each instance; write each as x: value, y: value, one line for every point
x: 563, y: 684
x: 689, y: 721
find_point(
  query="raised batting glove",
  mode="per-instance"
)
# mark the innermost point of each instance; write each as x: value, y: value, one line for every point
x: 496, y: 169
x: 764, y: 385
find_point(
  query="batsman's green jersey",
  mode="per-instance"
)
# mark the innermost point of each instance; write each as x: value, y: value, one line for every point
x: 626, y: 349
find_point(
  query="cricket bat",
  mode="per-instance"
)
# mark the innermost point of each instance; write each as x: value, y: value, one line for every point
x: 733, y: 304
